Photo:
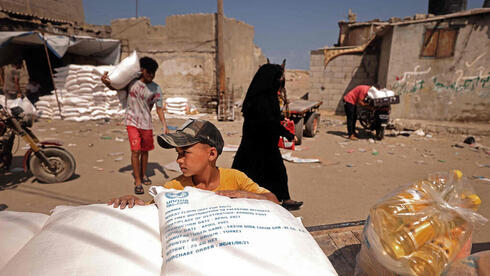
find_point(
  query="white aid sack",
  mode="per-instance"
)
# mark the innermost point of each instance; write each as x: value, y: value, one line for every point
x: 206, y: 234
x: 92, y: 240
x: 126, y: 71
x: 16, y: 229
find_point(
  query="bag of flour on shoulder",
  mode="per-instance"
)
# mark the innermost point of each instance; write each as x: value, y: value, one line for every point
x: 127, y: 70
x: 16, y: 229
x: 206, y: 234
x: 92, y: 240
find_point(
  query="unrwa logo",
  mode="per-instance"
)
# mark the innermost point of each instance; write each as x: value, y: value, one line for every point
x: 173, y: 195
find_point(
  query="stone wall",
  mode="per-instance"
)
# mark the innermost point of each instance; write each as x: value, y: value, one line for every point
x: 65, y: 10
x: 329, y: 84
x: 455, y: 88
x: 297, y: 83
x: 185, y: 49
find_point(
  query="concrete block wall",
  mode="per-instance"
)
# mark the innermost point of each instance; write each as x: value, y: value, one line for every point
x: 329, y: 84
x: 185, y: 49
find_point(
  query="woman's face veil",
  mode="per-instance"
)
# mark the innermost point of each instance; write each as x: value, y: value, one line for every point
x: 265, y: 84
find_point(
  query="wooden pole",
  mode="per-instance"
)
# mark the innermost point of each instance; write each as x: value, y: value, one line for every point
x: 51, y: 74
x: 221, y: 61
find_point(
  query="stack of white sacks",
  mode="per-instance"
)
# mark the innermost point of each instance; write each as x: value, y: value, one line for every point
x: 176, y: 105
x: 81, y: 94
x: 374, y: 93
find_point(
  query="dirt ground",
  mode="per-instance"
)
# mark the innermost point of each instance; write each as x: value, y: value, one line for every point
x: 350, y: 179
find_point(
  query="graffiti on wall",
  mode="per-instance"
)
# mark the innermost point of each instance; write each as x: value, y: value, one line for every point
x: 467, y: 80
x: 411, y: 81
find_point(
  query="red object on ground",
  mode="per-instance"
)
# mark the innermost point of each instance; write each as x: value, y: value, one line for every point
x: 283, y: 142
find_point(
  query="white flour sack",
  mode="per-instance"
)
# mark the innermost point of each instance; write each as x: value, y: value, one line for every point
x: 93, y: 240
x: 16, y: 229
x: 127, y: 70
x: 206, y: 234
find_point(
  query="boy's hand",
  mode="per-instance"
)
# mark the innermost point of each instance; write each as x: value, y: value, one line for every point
x: 105, y: 79
x: 128, y: 200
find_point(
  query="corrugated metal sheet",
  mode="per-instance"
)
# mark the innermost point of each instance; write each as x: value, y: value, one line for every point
x: 52, y: 10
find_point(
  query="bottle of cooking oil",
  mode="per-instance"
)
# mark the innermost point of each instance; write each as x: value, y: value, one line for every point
x: 400, y: 209
x: 431, y: 258
x: 413, y: 236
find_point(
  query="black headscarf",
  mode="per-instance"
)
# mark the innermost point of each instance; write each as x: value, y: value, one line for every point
x: 261, y: 98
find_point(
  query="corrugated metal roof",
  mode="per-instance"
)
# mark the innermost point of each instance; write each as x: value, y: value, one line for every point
x: 427, y: 19
x: 33, y: 15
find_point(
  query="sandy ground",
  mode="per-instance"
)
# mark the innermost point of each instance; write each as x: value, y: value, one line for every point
x: 342, y: 188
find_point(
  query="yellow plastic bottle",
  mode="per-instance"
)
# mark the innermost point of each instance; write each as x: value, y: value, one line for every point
x: 414, y: 235
x: 400, y: 209
x: 431, y: 258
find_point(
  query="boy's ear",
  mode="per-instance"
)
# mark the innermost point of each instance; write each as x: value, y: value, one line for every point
x: 213, y: 154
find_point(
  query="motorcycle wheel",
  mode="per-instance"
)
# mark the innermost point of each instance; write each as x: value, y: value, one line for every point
x: 64, y: 162
x: 380, y: 133
x: 364, y: 118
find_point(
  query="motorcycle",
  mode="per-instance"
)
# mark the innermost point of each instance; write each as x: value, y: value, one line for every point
x: 377, y: 115
x: 46, y: 160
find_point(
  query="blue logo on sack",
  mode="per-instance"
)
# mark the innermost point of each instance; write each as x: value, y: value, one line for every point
x: 172, y: 195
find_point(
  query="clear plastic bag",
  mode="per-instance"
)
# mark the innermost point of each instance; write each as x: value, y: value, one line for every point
x: 420, y: 228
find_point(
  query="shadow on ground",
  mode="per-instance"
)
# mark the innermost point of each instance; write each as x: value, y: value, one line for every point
x: 150, y: 170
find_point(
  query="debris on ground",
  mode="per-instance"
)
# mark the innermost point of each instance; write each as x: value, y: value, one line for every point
x: 374, y: 152
x: 469, y: 140
x: 98, y: 168
x: 72, y: 145
x: 419, y: 132
x: 288, y: 157
x: 483, y: 165
x: 481, y: 178
x: 118, y: 159
x: 99, y: 160
x: 115, y: 153
x: 105, y: 137
x: 119, y: 139
x: 459, y: 145
x: 361, y: 150
x: 371, y: 140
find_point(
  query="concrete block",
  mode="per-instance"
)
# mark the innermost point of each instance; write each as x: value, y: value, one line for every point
x: 339, y: 75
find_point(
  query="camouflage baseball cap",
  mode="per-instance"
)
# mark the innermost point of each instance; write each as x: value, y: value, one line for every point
x: 193, y: 132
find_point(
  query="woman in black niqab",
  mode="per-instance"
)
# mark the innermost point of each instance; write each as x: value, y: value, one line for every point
x: 258, y: 155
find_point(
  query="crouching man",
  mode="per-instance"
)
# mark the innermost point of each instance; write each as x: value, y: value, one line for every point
x: 198, y: 144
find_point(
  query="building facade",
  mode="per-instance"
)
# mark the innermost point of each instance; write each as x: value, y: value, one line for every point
x: 437, y: 64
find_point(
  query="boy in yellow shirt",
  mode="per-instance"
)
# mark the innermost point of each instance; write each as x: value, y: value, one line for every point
x: 198, y: 144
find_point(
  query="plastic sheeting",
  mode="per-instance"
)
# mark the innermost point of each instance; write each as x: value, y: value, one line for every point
x: 106, y: 51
